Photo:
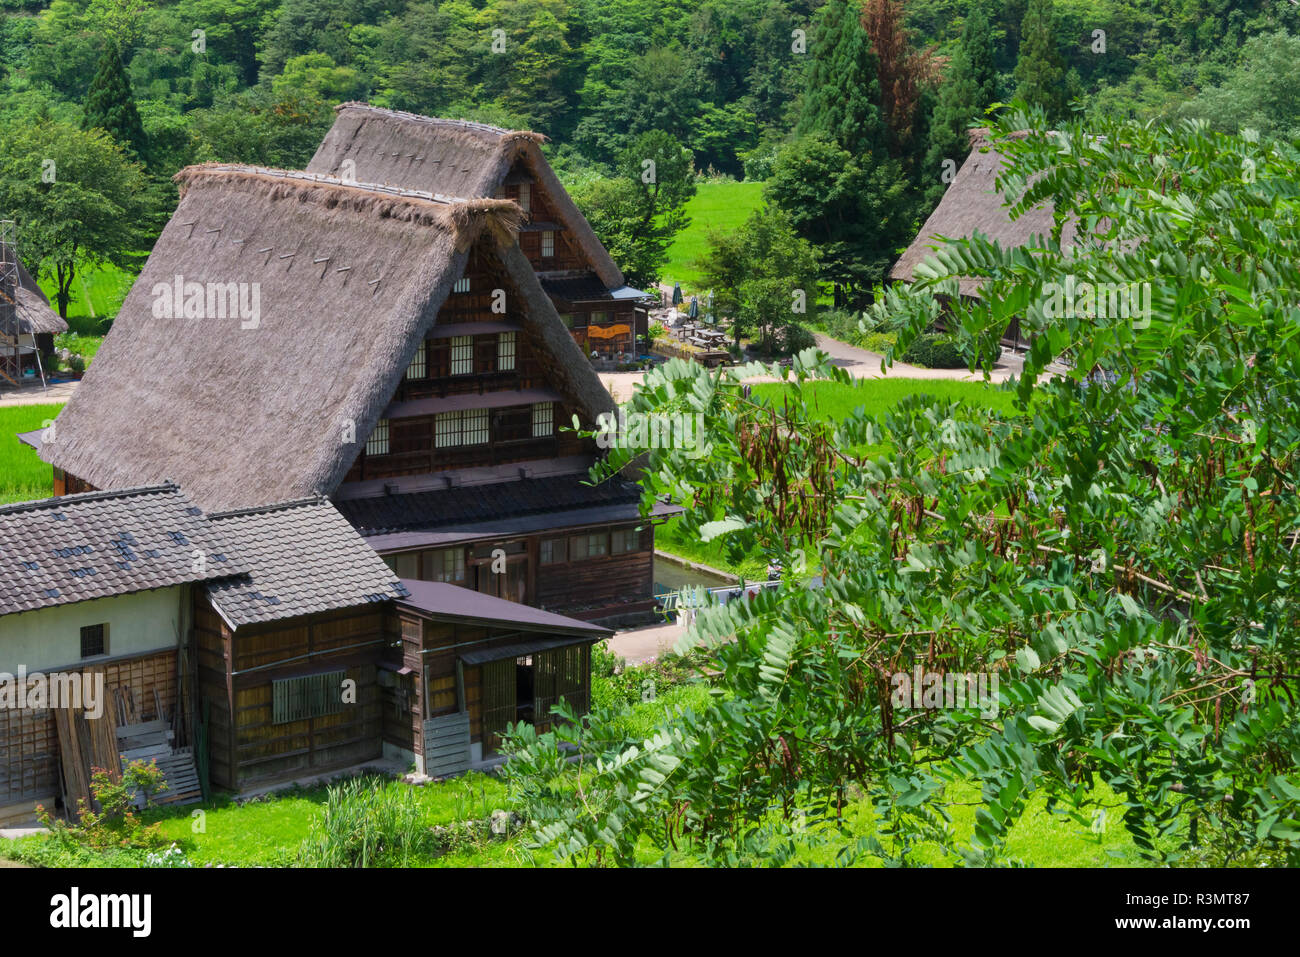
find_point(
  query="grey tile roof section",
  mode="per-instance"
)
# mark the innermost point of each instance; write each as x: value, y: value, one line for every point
x: 410, y: 511
x: 446, y: 602
x: 303, y: 559
x: 77, y: 548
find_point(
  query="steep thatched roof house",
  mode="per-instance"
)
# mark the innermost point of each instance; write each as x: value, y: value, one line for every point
x: 973, y: 203
x: 375, y: 145
x: 271, y: 327
x: 293, y: 334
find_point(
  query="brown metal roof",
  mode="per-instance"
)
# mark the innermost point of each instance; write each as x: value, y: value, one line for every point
x: 443, y: 602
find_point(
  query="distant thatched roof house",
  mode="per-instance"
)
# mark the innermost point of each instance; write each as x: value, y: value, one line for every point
x: 35, y: 316
x: 453, y: 157
x: 972, y: 202
x: 271, y: 326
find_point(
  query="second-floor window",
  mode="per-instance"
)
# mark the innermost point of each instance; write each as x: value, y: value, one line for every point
x: 462, y: 285
x: 462, y: 355
x: 548, y: 244
x: 543, y: 420
x: 505, y: 351
x: 418, y: 368
x: 462, y: 427
x: 377, y: 444
x: 525, y: 197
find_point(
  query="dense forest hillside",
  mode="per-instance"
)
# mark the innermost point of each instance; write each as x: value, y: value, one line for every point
x: 867, y: 101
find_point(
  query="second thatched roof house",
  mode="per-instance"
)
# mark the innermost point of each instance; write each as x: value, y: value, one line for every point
x: 973, y: 203
x: 454, y: 157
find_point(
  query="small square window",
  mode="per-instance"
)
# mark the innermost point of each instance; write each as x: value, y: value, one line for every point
x: 377, y: 444
x: 548, y: 244
x: 94, y: 641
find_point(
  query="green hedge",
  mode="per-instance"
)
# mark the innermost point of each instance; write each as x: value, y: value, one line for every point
x: 934, y: 351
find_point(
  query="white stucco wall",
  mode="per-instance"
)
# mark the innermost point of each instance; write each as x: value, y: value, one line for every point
x: 50, y: 638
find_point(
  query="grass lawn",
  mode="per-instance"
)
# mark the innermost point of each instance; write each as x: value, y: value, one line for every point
x: 718, y: 206
x: 831, y: 400
x: 97, y: 294
x: 23, y: 476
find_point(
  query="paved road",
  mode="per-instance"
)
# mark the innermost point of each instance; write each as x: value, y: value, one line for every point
x: 35, y: 395
x: 639, y: 645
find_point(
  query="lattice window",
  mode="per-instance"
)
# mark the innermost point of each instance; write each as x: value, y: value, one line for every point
x: 525, y: 197
x: 297, y: 699
x: 419, y: 367
x: 548, y: 244
x: 462, y: 285
x: 543, y: 420
x: 377, y: 444
x: 463, y: 427
x: 462, y: 355
x: 506, y: 351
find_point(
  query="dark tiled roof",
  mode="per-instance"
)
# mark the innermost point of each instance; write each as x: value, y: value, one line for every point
x: 303, y: 558
x: 80, y: 547
x: 443, y: 601
x: 582, y: 289
x: 477, y: 503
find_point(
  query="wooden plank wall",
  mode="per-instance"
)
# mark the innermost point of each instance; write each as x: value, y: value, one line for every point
x: 446, y: 745
x: 598, y: 582
x: 236, y: 672
x: 29, y: 741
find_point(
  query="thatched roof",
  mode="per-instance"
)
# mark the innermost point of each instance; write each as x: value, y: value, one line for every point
x: 349, y: 280
x: 972, y: 203
x: 450, y: 156
x: 33, y: 309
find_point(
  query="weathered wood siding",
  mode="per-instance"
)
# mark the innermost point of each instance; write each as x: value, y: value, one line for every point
x: 253, y: 748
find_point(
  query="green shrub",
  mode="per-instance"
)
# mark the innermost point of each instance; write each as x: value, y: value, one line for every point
x: 938, y: 351
x: 116, y: 823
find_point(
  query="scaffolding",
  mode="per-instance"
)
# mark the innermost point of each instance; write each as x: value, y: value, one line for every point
x: 11, y: 324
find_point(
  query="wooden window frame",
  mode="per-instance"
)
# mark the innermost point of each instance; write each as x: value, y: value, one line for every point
x: 461, y: 359
x: 550, y: 543
x: 548, y: 240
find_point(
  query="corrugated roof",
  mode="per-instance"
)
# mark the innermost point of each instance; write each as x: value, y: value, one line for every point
x: 303, y: 558
x: 81, y: 547
x: 431, y: 509
x: 445, y: 602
